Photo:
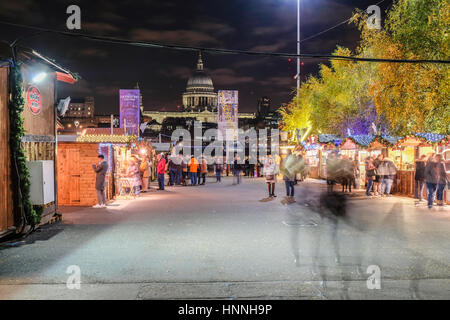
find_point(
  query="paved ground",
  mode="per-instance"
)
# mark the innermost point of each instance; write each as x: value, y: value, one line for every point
x: 220, y: 241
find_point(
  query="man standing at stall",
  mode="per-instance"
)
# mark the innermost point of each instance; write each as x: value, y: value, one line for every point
x: 161, y: 170
x: 100, y: 173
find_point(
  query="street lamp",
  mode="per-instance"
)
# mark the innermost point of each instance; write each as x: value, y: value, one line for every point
x: 298, y: 45
x: 39, y: 77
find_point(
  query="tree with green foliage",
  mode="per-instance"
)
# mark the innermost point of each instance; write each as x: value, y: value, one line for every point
x: 408, y: 97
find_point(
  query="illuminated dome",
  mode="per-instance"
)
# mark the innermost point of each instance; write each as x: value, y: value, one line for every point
x: 201, y: 80
x: 200, y: 95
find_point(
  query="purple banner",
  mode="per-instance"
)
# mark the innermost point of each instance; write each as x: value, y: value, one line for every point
x: 228, y: 113
x: 130, y: 110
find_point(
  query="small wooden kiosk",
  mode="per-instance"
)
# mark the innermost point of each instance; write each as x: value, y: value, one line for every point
x: 75, y: 158
x: 76, y: 178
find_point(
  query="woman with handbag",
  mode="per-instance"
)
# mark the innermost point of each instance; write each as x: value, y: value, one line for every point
x: 270, y: 173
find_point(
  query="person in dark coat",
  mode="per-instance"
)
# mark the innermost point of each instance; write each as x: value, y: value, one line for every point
x: 377, y: 182
x: 419, y: 178
x: 237, y: 169
x: 100, y: 174
x: 431, y: 178
x: 442, y: 181
x: 370, y: 174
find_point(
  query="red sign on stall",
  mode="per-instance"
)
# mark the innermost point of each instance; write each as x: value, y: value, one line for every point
x: 34, y: 100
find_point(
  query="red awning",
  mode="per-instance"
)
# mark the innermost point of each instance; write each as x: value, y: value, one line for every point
x: 64, y: 77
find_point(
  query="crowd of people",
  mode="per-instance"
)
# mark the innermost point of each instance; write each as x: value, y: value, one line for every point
x: 380, y: 175
x: 430, y: 174
x: 191, y: 170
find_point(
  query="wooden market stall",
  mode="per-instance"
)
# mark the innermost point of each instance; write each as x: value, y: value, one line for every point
x: 311, y: 151
x: 374, y: 146
x: 405, y: 153
x: 328, y: 143
x: 33, y: 77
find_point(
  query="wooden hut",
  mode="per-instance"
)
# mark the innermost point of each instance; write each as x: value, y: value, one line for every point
x: 39, y: 76
x: 76, y: 154
x: 328, y: 144
x: 311, y: 150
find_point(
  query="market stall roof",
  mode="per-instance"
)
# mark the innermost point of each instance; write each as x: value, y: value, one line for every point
x: 363, y: 140
x: 307, y: 147
x: 28, y: 55
x: 327, y: 138
x: 433, y: 137
x: 103, y: 135
x: 390, y: 139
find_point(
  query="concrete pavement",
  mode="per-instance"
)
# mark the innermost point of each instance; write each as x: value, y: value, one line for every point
x: 220, y: 241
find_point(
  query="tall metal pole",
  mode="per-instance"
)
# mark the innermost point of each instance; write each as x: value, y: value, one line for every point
x: 298, y: 45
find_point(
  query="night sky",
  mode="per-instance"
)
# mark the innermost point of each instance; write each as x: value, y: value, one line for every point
x: 260, y: 25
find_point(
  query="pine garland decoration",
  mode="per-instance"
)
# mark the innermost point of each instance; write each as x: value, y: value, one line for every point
x: 17, y: 131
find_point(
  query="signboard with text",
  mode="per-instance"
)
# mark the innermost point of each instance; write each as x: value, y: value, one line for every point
x: 228, y: 114
x: 130, y: 111
x: 34, y: 100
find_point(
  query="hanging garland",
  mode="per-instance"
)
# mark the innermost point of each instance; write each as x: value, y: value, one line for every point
x: 18, y: 159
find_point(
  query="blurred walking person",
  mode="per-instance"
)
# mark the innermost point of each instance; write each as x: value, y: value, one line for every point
x: 387, y: 175
x: 184, y: 168
x: 179, y: 167
x: 219, y: 168
x: 331, y: 165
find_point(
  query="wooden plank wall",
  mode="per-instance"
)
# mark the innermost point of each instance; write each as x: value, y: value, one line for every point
x: 76, y: 178
x: 6, y: 200
x: 39, y: 150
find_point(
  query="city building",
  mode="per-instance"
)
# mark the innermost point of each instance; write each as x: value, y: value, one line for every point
x: 199, y: 103
x: 81, y: 108
x: 265, y: 118
x: 79, y: 115
x: 263, y: 105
